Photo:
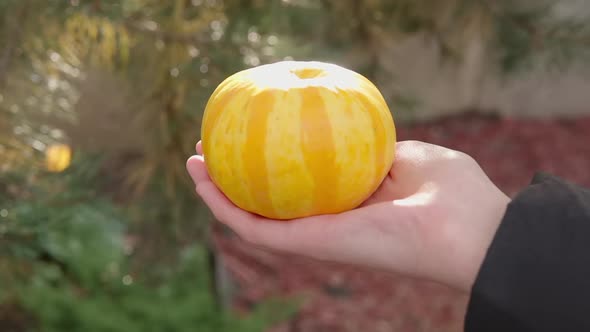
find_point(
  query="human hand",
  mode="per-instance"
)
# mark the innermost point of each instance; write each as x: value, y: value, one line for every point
x: 433, y: 218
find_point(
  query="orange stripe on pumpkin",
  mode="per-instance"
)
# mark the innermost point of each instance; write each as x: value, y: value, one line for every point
x: 253, y: 157
x: 216, y: 106
x: 318, y: 149
x: 380, y: 139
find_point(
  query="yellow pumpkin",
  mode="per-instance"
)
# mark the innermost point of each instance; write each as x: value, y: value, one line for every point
x: 294, y: 139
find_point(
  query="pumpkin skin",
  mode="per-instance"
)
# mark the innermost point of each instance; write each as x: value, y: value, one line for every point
x: 294, y: 139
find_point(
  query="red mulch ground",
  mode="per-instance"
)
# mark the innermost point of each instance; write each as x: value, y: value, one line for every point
x: 341, y: 298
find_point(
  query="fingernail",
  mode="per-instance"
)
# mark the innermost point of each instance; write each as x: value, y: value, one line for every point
x: 190, y: 170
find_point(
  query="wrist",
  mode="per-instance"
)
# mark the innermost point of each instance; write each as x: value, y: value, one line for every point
x: 481, y: 241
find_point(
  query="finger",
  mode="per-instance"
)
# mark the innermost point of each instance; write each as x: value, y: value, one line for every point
x: 199, y: 148
x: 221, y: 207
x: 247, y: 225
x: 253, y: 228
x: 301, y: 236
x: 327, y: 237
x: 197, y: 170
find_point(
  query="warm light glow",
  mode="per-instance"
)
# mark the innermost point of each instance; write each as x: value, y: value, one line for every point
x: 58, y: 158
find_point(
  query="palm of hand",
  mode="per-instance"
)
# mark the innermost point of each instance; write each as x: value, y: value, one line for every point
x: 418, y: 222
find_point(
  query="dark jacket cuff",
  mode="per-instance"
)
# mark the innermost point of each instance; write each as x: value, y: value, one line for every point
x: 536, y: 273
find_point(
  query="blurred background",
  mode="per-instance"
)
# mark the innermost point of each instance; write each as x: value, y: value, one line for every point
x: 100, y: 106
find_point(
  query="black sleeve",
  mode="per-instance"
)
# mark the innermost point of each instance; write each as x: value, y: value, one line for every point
x: 536, y: 273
